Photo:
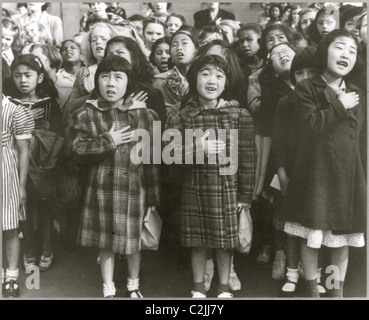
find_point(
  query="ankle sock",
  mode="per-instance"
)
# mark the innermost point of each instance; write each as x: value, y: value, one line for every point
x: 199, y: 286
x: 109, y: 289
x: 12, y: 274
x: 292, y: 277
x: 133, y: 284
x: 311, y: 289
x: 223, y: 288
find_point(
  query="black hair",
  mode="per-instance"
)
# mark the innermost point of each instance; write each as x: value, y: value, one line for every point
x: 140, y: 65
x: 199, y: 63
x: 349, y: 14
x: 169, y: 6
x: 304, y: 58
x: 154, y: 46
x: 190, y: 32
x: 250, y: 26
x: 136, y: 17
x: 321, y: 55
x: 5, y: 13
x: 116, y: 64
x: 44, y: 89
x: 21, y: 4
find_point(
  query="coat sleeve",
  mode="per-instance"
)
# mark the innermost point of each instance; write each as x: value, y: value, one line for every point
x: 280, y: 135
x: 152, y: 171
x: 316, y: 116
x: 79, y: 95
x: 88, y: 147
x: 246, y: 158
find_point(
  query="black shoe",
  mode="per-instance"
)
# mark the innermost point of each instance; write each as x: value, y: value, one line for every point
x: 134, y: 294
x: 11, y: 289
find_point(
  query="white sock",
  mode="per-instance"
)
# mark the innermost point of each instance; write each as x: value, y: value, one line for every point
x: 109, y: 289
x: 318, y: 274
x: 12, y: 274
x: 292, y: 276
x: 133, y: 284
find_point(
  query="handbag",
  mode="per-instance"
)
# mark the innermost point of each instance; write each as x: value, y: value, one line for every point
x: 245, y: 229
x: 151, y: 230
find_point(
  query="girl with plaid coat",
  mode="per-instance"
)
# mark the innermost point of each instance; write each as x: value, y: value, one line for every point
x: 210, y: 201
x: 118, y: 191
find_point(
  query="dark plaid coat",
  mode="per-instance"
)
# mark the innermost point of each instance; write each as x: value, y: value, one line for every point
x: 118, y: 191
x: 209, y: 199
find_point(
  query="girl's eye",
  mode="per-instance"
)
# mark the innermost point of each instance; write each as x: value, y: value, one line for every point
x: 220, y: 77
x: 159, y: 52
x: 282, y: 38
x: 339, y: 47
x: 205, y: 74
x: 353, y: 52
x: 269, y: 40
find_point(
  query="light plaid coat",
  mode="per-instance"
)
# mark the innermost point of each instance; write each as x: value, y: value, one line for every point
x: 118, y: 191
x: 209, y: 200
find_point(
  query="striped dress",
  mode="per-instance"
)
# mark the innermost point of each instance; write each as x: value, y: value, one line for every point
x: 17, y: 124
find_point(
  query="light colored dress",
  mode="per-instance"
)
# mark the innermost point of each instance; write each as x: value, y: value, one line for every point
x: 17, y: 124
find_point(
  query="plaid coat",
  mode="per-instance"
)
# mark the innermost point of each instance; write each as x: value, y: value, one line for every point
x: 118, y: 191
x: 209, y: 199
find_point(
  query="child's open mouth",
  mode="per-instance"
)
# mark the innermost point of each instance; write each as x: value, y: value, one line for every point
x: 342, y: 63
x: 210, y: 89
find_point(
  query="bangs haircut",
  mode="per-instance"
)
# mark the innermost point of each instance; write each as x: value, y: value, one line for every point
x: 116, y: 64
x: 321, y: 54
x: 303, y: 59
x: 213, y: 60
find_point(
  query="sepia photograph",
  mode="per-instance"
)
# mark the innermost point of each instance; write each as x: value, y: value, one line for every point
x: 184, y: 151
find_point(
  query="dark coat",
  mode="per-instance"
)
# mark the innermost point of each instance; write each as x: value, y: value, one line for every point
x: 202, y: 18
x: 327, y: 187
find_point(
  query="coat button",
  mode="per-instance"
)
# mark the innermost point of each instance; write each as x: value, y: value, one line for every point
x: 126, y: 174
x: 126, y: 151
x: 111, y: 173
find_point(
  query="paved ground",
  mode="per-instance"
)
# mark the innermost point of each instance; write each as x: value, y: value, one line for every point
x: 75, y: 274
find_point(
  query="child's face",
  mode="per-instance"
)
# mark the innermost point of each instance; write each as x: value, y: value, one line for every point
x: 282, y: 57
x: 32, y: 33
x: 26, y: 79
x: 295, y: 15
x: 211, y: 82
x: 249, y: 43
x: 275, y: 13
x: 183, y: 50
x: 306, y: 21
x: 119, y: 49
x: 325, y: 24
x: 71, y: 52
x: 160, y: 7
x: 305, y: 73
x: 363, y: 30
x: 173, y: 25
x: 229, y: 33
x: 161, y: 56
x: 153, y: 32
x: 139, y: 26
x: 98, y: 9
x: 7, y: 39
x: 113, y: 86
x: 273, y: 38
x: 350, y: 26
x: 99, y: 38
x: 341, y: 57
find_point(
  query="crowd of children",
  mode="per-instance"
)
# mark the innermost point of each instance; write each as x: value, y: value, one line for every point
x: 287, y: 93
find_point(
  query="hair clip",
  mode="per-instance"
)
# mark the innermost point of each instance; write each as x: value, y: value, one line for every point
x: 39, y: 62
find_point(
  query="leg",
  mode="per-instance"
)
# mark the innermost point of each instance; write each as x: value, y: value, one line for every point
x: 293, y: 257
x: 309, y: 260
x: 12, y: 247
x: 133, y: 281
x: 223, y: 258
x: 46, y: 234
x: 107, y: 271
x: 234, y: 283
x: 198, y: 262
x: 209, y: 269
x: 339, y: 259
